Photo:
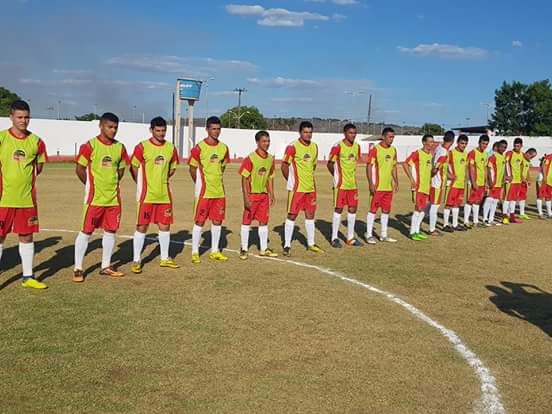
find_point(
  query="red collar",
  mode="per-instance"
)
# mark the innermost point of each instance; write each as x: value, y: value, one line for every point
x: 27, y: 133
x: 264, y: 157
x: 104, y: 142
x: 154, y: 143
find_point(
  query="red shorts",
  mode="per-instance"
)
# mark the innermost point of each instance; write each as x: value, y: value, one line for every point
x: 344, y: 198
x: 523, y: 190
x: 496, y: 193
x: 436, y: 195
x: 298, y: 202
x: 545, y: 191
x: 21, y: 220
x: 107, y: 218
x: 155, y: 213
x: 513, y: 192
x: 383, y: 200
x: 455, y: 197
x: 260, y: 205
x: 210, y: 208
x: 476, y: 196
x: 421, y: 201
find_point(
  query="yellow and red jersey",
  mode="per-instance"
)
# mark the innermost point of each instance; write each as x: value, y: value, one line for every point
x: 497, y: 169
x: 210, y: 160
x: 458, y: 161
x: 382, y: 161
x: 346, y: 157
x: 261, y: 169
x: 420, y: 163
x: 441, y: 164
x: 302, y: 158
x: 514, y: 165
x: 479, y: 160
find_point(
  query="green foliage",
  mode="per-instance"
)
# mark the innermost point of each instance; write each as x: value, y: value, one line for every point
x: 433, y: 129
x: 246, y: 117
x: 7, y: 97
x: 87, y: 117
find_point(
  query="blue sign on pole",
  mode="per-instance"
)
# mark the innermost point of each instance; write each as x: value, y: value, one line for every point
x: 189, y: 89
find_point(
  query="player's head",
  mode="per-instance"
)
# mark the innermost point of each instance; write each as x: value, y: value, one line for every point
x: 530, y: 154
x: 483, y: 142
x: 503, y: 146
x: 350, y: 132
x: 427, y: 142
x: 388, y: 135
x: 462, y: 142
x: 518, y: 143
x: 495, y: 146
x: 213, y: 126
x: 20, y: 115
x: 448, y: 138
x: 305, y: 131
x: 109, y: 124
x: 158, y: 128
x: 262, y: 138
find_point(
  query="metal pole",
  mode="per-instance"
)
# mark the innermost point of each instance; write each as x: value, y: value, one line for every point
x: 178, y: 121
x: 191, y: 130
x: 173, y: 136
x: 369, y: 113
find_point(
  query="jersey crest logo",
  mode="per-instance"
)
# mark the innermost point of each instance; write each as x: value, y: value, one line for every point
x: 107, y: 161
x: 306, y: 157
x: 214, y: 158
x: 351, y: 157
x: 388, y: 157
x: 159, y: 160
x: 19, y: 155
x: 262, y: 171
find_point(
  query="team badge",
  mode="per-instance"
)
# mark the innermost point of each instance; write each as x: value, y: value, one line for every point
x: 214, y: 158
x: 388, y: 157
x: 351, y: 157
x: 107, y: 161
x: 306, y: 157
x: 19, y: 155
x: 159, y: 160
x: 168, y: 212
x: 262, y: 171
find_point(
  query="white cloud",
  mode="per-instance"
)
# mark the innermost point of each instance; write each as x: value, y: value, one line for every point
x: 339, y: 17
x: 445, y: 51
x: 275, y: 17
x: 97, y: 82
x: 338, y: 2
x: 517, y: 43
x: 280, y: 82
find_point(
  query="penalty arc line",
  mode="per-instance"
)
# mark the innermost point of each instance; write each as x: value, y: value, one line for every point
x: 491, y: 401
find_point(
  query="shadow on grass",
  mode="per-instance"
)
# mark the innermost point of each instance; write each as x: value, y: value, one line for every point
x: 297, y: 235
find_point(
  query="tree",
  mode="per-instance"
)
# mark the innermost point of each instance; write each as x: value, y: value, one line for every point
x: 87, y: 117
x: 7, y: 97
x: 247, y: 117
x: 432, y: 129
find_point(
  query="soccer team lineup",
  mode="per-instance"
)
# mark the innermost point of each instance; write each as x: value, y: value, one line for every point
x: 441, y: 175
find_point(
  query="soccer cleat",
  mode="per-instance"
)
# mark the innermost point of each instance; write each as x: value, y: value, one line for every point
x: 448, y: 229
x: 195, y: 258
x: 468, y: 226
x: 353, y: 243
x: 487, y: 224
x: 541, y: 216
x: 371, y: 240
x: 506, y: 221
x: 460, y: 228
x: 218, y: 256
x: 422, y: 236
x: 32, y: 283
x: 515, y: 220
x: 136, y: 268
x: 78, y: 276
x: 416, y: 237
x: 268, y: 253
x: 108, y: 271
x: 287, y: 251
x: 388, y: 240
x: 436, y: 233
x: 336, y: 244
x: 243, y: 254
x: 168, y: 263
x: 315, y: 249
x: 524, y: 217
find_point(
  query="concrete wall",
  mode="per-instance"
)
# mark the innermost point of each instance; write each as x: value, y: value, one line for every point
x: 62, y: 137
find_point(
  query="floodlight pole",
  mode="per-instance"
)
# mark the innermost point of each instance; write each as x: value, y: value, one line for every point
x: 177, y: 138
x: 191, y: 129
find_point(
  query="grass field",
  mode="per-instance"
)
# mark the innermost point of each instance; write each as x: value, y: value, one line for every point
x: 272, y: 337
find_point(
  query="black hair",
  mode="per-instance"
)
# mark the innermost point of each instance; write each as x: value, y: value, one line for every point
x: 158, y: 122
x: 503, y: 141
x: 348, y: 127
x: 19, y: 105
x: 108, y: 116
x: 426, y: 137
x: 496, y: 144
x: 448, y: 137
x: 532, y: 150
x: 484, y: 138
x: 387, y: 130
x: 305, y: 124
x: 463, y: 137
x: 260, y: 135
x: 213, y: 120
x: 518, y: 141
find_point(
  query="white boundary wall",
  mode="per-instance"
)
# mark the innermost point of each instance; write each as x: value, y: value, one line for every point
x: 62, y: 137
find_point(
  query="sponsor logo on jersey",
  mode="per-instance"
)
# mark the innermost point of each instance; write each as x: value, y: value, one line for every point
x: 262, y: 171
x: 351, y: 157
x: 306, y: 157
x: 159, y: 160
x: 107, y: 161
x: 214, y: 158
x: 388, y: 157
x: 19, y: 155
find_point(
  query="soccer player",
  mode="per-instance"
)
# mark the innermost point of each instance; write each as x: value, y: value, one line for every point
x: 439, y: 180
x: 525, y: 182
x: 514, y: 171
x: 545, y: 187
x: 342, y: 164
x: 477, y: 172
x: 22, y: 158
x: 458, y: 163
x: 381, y: 172
x: 100, y: 167
x: 208, y: 160
x: 495, y: 178
x: 257, y: 176
x: 418, y: 168
x: 298, y: 168
x: 153, y: 163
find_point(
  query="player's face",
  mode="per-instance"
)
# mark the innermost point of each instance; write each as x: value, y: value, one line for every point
x: 350, y: 135
x: 159, y: 133
x: 20, y: 119
x: 462, y: 145
x: 264, y: 143
x: 389, y: 138
x: 213, y: 131
x: 530, y: 155
x: 306, y: 134
x: 483, y: 146
x: 502, y: 148
x: 109, y: 129
x: 517, y: 147
x: 428, y: 145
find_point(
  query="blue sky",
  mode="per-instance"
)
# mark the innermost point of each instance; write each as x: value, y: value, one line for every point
x: 422, y: 60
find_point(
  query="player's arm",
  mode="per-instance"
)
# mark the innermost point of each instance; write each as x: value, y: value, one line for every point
x: 270, y: 188
x: 331, y: 166
x: 133, y: 172
x: 41, y: 157
x: 472, y: 176
x: 195, y: 157
x: 285, y: 169
x: 332, y: 158
x: 406, y: 168
x: 245, y: 181
x: 121, y: 173
x: 174, y: 163
x: 39, y: 168
x: 396, y: 178
x: 369, y: 173
x: 123, y: 162
x: 528, y: 179
x: 83, y: 159
x: 81, y: 173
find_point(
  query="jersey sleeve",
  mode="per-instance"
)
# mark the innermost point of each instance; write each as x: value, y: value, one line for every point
x: 334, y: 153
x: 246, y: 167
x: 372, y: 156
x: 413, y: 158
x: 226, y: 159
x: 289, y: 154
x: 174, y: 160
x: 85, y: 154
x: 471, y: 158
x: 124, y: 161
x: 41, y: 156
x: 195, y: 157
x: 272, y: 170
x: 395, y: 158
x: 359, y: 153
x: 137, y: 156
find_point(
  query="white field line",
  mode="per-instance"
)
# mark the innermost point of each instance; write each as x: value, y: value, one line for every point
x: 491, y: 402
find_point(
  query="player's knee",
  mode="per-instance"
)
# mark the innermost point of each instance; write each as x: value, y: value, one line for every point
x: 292, y: 217
x: 339, y: 210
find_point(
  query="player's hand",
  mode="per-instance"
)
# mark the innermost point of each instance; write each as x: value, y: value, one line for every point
x: 272, y: 200
x: 412, y: 185
x: 475, y: 187
x: 396, y: 185
x: 247, y: 203
x: 372, y: 189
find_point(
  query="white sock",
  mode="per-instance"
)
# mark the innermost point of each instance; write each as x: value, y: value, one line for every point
x: 539, y: 207
x: 421, y: 216
x: 309, y: 227
x: 138, y: 245
x: 81, y: 244
x: 492, y: 210
x: 512, y: 208
x: 289, y: 227
x: 108, y: 244
x: 196, y: 238
x: 505, y: 207
x: 215, y: 237
x: 487, y: 208
x: 413, y: 222
x: 1, y: 250
x: 475, y: 208
x: 351, y: 218
x: 263, y: 237
x: 522, y: 207
x: 433, y: 212
x: 549, y: 207
x: 455, y: 214
x: 164, y: 243
x: 384, y: 222
x: 336, y: 221
x: 26, y: 251
x: 467, y: 211
x: 370, y: 224
x: 446, y: 216
x: 244, y: 233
